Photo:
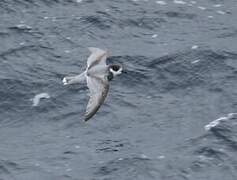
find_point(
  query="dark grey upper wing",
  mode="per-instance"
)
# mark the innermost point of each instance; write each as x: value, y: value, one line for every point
x: 98, y: 91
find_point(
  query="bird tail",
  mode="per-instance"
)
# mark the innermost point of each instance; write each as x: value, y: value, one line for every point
x: 74, y: 79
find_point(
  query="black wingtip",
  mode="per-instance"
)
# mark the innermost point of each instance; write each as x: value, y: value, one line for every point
x: 87, y: 118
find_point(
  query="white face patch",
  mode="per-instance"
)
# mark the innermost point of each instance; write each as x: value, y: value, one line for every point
x: 115, y: 73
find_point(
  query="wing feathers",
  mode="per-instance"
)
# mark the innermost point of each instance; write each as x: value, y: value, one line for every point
x: 98, y: 91
x: 98, y: 56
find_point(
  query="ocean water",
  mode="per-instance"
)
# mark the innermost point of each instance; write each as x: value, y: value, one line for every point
x: 172, y: 116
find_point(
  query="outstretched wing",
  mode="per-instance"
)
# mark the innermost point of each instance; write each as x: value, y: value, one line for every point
x: 98, y: 56
x: 98, y: 91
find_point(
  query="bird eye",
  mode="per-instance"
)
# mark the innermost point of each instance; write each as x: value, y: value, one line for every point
x: 115, y: 67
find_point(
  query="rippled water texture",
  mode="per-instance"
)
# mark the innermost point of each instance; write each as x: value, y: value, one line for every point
x: 181, y: 63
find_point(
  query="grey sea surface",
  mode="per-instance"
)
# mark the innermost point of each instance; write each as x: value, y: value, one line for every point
x: 172, y: 116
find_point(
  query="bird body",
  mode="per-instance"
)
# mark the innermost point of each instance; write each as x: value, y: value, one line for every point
x: 97, y: 75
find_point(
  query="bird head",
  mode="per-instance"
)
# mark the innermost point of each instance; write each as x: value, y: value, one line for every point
x: 115, y: 69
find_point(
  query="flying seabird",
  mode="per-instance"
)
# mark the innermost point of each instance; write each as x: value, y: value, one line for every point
x: 97, y: 75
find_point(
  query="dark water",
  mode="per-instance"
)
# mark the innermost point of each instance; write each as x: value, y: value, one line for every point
x: 181, y: 59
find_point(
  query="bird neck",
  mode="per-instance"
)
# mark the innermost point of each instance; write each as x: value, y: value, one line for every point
x: 110, y: 76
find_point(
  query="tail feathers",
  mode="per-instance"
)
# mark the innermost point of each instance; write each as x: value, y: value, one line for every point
x: 66, y: 80
x: 70, y: 80
x: 74, y: 79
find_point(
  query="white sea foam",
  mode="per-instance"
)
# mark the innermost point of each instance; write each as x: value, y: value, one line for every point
x: 68, y: 169
x: 221, y: 12
x: 23, y: 26
x: 217, y: 5
x: 179, y: 2
x: 37, y: 164
x: 202, y: 8
x: 38, y: 97
x: 194, y: 47
x: 196, y: 61
x: 67, y: 51
x: 217, y: 121
x: 161, y: 157
x: 143, y: 156
x: 161, y: 2
x: 154, y: 35
x: 77, y: 147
